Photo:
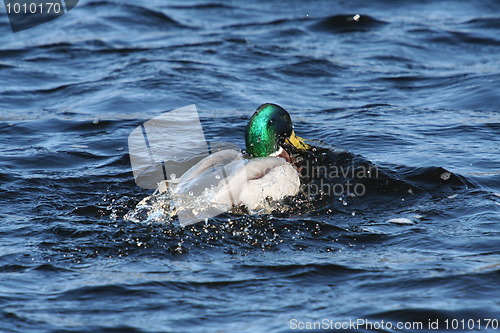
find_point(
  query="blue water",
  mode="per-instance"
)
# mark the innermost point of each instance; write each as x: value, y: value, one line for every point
x: 413, y: 87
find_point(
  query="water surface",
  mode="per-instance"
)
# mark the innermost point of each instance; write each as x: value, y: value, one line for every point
x: 410, y: 86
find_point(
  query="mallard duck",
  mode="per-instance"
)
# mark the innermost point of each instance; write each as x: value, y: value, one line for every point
x: 263, y: 173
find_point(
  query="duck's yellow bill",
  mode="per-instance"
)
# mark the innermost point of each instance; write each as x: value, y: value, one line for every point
x: 297, y: 141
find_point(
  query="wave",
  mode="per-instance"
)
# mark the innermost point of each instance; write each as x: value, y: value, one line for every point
x: 347, y: 23
x: 332, y: 178
x: 484, y: 23
x: 310, y: 67
x: 132, y: 14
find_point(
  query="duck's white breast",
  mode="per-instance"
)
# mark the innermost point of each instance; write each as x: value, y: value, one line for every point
x: 279, y: 181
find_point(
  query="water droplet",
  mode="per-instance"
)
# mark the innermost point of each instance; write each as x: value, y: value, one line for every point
x: 445, y: 176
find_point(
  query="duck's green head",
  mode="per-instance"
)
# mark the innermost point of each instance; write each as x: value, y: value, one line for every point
x: 269, y: 129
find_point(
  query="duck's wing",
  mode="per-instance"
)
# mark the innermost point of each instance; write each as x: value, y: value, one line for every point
x: 277, y: 181
x: 215, y: 160
x: 207, y: 173
x: 239, y: 174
